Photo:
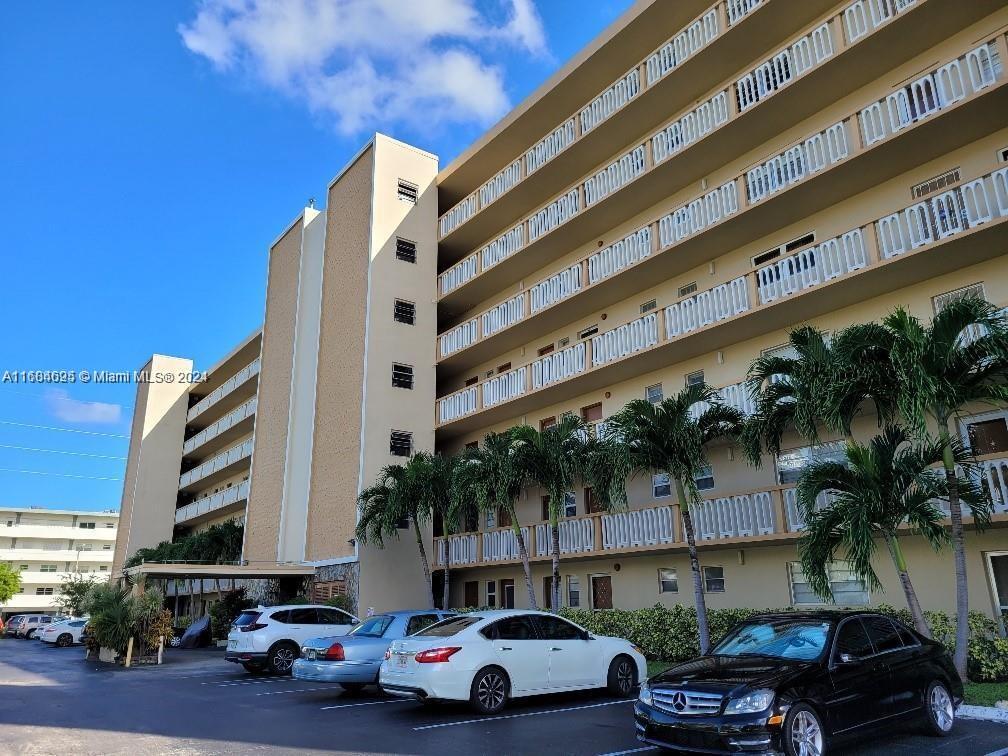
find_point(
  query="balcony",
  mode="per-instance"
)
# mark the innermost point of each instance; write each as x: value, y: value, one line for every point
x: 22, y: 556
x: 815, y: 173
x: 217, y: 468
x: 233, y: 392
x: 807, y: 75
x: 958, y: 227
x: 59, y: 532
x: 237, y: 423
x: 229, y: 500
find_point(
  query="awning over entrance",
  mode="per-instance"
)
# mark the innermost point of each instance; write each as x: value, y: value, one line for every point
x: 181, y: 570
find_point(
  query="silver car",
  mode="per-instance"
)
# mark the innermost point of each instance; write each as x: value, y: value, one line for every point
x: 353, y: 660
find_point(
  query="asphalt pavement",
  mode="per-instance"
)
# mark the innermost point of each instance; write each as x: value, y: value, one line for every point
x: 54, y: 702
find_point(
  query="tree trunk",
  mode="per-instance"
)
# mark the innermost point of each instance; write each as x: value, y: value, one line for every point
x: 423, y: 561
x: 447, y: 573
x: 896, y: 551
x: 703, y: 629
x: 526, y: 567
x: 555, y: 551
x: 958, y: 553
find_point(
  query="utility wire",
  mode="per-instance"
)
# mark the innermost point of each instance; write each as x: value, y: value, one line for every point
x: 63, y: 430
x: 57, y: 475
x: 60, y: 451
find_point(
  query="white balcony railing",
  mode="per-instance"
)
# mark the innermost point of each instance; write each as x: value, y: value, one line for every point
x: 458, y: 274
x: 577, y: 536
x: 459, y: 337
x: 734, y: 516
x: 783, y: 67
x: 224, y: 459
x: 549, y: 146
x: 504, y: 387
x: 953, y: 211
x: 458, y: 215
x: 458, y: 405
x: 694, y: 125
x: 559, y: 366
x: 863, y: 15
x: 736, y: 396
x: 231, y: 419
x: 618, y: 94
x: 739, y: 9
x: 461, y: 547
x: 683, y: 45
x: 212, y: 503
x: 699, y: 310
x: 625, y: 339
x: 797, y: 162
x: 813, y: 266
x: 639, y: 527
x: 503, y: 247
x: 696, y: 215
x: 558, y: 286
x: 246, y: 373
x: 500, y: 183
x: 556, y: 213
x: 499, y: 545
x: 505, y: 314
x: 619, y: 255
x: 795, y: 522
x: 928, y: 94
x: 614, y: 176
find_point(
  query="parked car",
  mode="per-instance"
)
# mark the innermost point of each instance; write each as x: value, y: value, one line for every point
x: 353, y: 660
x: 271, y: 637
x: 488, y: 657
x: 12, y: 624
x: 64, y: 633
x: 800, y: 682
x: 30, y: 625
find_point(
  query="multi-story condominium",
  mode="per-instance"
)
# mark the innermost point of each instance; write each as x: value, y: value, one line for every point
x: 49, y: 545
x: 699, y: 180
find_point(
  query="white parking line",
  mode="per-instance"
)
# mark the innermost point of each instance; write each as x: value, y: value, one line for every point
x: 632, y: 750
x: 296, y: 690
x: 237, y: 683
x: 518, y: 716
x: 367, y: 703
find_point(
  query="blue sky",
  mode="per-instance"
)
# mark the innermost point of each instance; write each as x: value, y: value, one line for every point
x: 149, y: 152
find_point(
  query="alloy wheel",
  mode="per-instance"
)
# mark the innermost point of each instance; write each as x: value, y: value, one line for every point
x: 283, y: 659
x: 806, y: 735
x: 624, y: 677
x: 491, y: 691
x: 941, y: 708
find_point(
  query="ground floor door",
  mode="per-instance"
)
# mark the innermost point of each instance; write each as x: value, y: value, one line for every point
x: 507, y: 594
x: 997, y: 568
x: 601, y: 587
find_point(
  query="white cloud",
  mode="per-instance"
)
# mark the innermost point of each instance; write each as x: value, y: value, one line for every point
x: 63, y: 407
x: 369, y: 63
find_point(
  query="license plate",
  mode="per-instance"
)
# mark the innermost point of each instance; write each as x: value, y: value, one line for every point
x: 401, y: 659
x: 310, y: 654
x: 232, y: 645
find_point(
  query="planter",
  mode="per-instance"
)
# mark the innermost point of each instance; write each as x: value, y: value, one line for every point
x: 222, y: 643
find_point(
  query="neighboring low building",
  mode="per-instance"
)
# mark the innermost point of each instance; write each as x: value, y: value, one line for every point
x: 700, y: 179
x: 49, y: 545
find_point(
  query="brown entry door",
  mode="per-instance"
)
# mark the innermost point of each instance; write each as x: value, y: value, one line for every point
x: 601, y: 586
x: 507, y: 594
x: 472, y: 593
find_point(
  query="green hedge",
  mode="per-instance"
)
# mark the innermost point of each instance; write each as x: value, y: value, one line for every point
x: 670, y: 633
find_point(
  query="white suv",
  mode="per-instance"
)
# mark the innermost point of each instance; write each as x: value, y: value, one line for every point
x: 271, y: 637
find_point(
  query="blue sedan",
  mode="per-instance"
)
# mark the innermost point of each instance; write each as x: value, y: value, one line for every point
x: 353, y: 660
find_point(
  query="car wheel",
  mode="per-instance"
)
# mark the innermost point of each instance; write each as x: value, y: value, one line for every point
x: 281, y: 657
x: 489, y: 691
x: 622, y: 678
x: 803, y: 733
x: 64, y: 640
x: 940, y: 711
x: 29, y: 635
x: 175, y: 641
x: 352, y: 688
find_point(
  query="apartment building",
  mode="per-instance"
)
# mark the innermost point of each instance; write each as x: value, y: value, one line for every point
x: 697, y: 181
x: 49, y: 545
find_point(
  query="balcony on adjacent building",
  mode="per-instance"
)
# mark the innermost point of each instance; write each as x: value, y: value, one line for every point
x: 950, y: 106
x: 957, y: 227
x: 819, y: 67
x: 230, y: 500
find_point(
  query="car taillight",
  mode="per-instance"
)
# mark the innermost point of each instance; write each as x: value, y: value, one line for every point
x: 388, y: 654
x: 335, y: 653
x: 253, y: 626
x: 432, y: 655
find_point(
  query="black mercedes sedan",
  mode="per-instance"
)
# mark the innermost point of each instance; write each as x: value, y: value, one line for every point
x: 798, y: 683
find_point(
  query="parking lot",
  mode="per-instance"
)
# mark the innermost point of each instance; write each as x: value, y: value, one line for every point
x: 55, y: 702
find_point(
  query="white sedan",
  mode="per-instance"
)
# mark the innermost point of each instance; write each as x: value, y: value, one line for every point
x: 64, y: 633
x: 488, y: 657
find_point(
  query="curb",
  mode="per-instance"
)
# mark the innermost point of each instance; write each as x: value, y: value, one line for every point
x: 985, y: 713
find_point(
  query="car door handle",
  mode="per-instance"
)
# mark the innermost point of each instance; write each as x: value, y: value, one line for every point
x: 505, y: 648
x: 554, y: 648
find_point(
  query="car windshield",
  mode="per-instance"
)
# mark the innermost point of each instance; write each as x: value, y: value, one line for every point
x: 779, y: 638
x: 449, y: 627
x: 372, y: 627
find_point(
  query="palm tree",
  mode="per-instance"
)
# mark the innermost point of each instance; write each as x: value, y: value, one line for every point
x: 883, y: 485
x: 667, y: 438
x: 960, y: 360
x: 492, y: 476
x: 553, y: 459
x: 403, y: 493
x: 459, y: 511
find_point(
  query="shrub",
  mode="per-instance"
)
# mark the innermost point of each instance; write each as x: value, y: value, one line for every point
x: 341, y: 601
x: 116, y: 616
x: 226, y: 611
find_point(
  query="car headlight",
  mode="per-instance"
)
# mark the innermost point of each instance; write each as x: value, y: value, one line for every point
x: 645, y: 694
x: 751, y: 703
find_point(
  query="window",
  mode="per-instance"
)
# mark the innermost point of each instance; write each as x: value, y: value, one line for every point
x: 303, y: 617
x: 372, y: 627
x: 109, y: 524
x: 504, y: 368
x: 545, y: 350
x: 668, y: 580
x: 333, y: 617
x: 106, y: 547
x: 408, y: 191
x: 470, y: 593
x: 491, y: 593
x: 86, y: 547
x: 801, y: 241
x: 503, y: 518
x: 472, y: 381
x: 23, y: 567
x: 44, y: 591
x: 713, y: 578
x: 932, y: 185
x: 944, y: 300
x: 654, y: 393
x: 847, y: 589
x: 402, y: 376
x: 661, y: 486
x: 704, y: 478
x: 87, y: 525
x: 882, y: 633
x: 573, y: 591
x: 511, y: 628
x: 569, y: 506
x: 547, y: 422
x: 790, y: 464
x: 554, y: 628
x: 987, y: 436
x: 47, y: 568
x: 420, y: 621
x: 852, y: 641
x: 451, y: 626
x: 405, y: 312
x: 491, y: 518
x: 400, y: 443
x: 592, y: 413
x: 405, y: 250
x: 695, y: 378
x: 103, y: 568
x: 685, y: 291
x: 588, y: 332
x: 651, y: 304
